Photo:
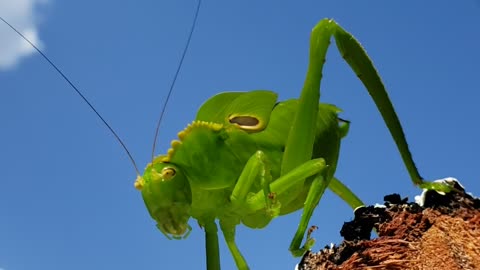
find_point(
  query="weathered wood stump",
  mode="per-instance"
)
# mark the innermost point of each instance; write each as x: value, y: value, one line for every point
x: 444, y: 233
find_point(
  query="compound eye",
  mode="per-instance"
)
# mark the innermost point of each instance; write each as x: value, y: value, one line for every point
x: 168, y: 173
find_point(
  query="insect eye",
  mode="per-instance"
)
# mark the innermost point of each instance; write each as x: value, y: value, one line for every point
x: 245, y: 122
x: 168, y: 173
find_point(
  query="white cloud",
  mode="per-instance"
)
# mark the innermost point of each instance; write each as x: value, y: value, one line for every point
x: 22, y: 15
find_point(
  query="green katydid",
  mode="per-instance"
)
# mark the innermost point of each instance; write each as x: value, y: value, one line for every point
x: 248, y: 159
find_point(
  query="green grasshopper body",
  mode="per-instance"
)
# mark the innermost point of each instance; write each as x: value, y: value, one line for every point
x: 233, y: 183
x: 247, y: 159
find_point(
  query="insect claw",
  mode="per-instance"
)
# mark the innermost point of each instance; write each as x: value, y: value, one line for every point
x: 441, y: 186
x: 311, y: 230
x: 273, y: 205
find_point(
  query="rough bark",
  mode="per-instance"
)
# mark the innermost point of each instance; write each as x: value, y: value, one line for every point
x: 443, y: 234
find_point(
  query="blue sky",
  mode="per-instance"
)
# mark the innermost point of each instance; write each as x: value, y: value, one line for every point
x: 66, y: 197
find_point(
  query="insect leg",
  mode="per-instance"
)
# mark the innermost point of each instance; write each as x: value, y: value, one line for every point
x: 357, y: 58
x: 288, y: 181
x: 211, y: 245
x: 252, y: 169
x: 315, y: 193
x: 342, y: 191
x: 229, y: 235
x: 255, y: 172
x: 299, y: 145
x: 256, y: 167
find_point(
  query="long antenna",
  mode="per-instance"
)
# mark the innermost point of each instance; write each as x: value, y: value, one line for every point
x: 78, y: 92
x: 162, y: 112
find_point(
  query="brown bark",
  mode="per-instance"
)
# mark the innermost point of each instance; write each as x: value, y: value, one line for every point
x: 445, y: 234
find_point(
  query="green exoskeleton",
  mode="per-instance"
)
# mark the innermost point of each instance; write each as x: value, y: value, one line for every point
x: 248, y: 158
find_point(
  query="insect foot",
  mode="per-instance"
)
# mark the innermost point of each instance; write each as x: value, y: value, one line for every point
x: 274, y: 206
x: 441, y: 186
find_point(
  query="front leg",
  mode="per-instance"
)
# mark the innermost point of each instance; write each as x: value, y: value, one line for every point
x: 229, y: 235
x: 263, y: 200
x: 256, y: 169
x: 285, y: 184
x: 211, y: 245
